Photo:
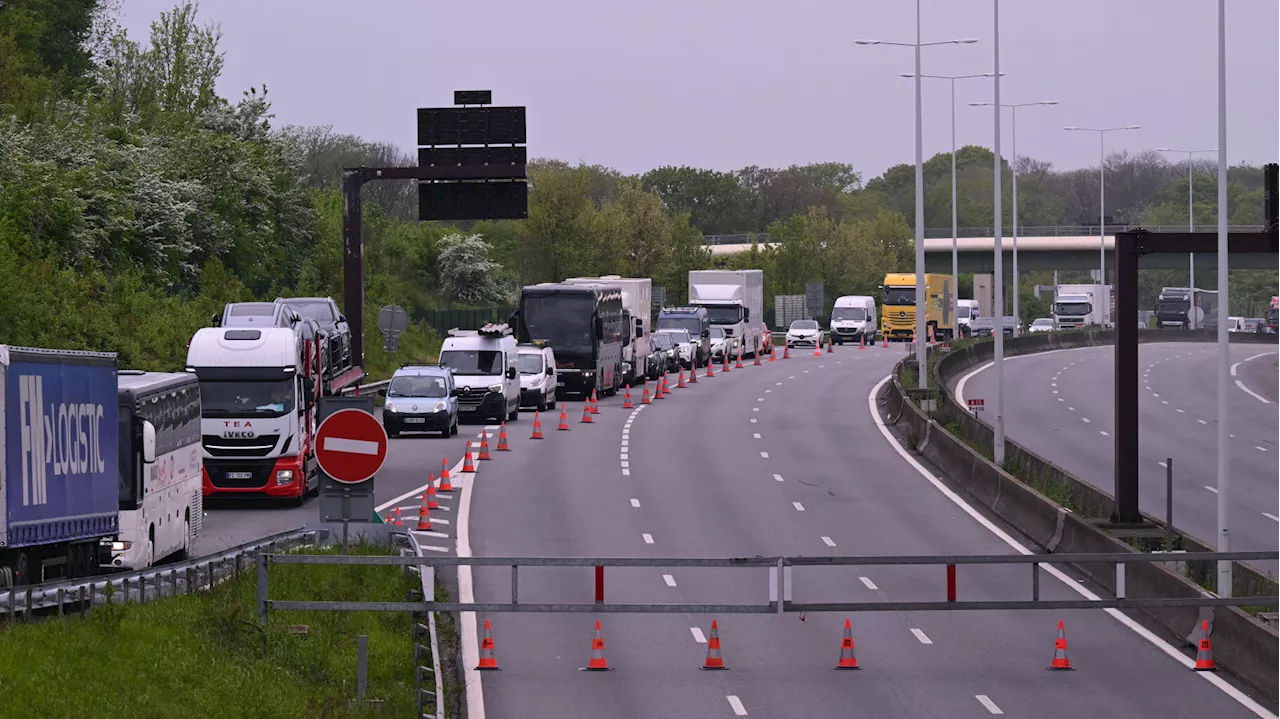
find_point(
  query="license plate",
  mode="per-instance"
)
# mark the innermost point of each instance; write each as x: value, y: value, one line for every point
x: 415, y: 420
x: 559, y: 384
x: 239, y: 475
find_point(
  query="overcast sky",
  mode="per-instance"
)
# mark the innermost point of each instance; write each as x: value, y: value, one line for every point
x: 730, y: 83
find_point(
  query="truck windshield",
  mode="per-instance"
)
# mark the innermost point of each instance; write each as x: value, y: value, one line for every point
x: 692, y: 325
x: 724, y: 314
x: 852, y: 314
x: 416, y: 386
x: 900, y: 296
x: 472, y: 362
x: 529, y: 364
x: 1072, y: 308
x: 246, y: 398
x: 562, y: 319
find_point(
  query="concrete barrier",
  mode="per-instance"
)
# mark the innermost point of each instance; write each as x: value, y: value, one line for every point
x: 1040, y: 508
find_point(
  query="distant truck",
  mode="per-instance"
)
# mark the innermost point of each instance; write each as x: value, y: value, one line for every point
x: 898, y: 305
x: 637, y: 301
x: 60, y: 446
x: 1078, y: 306
x: 966, y: 313
x: 735, y: 302
x: 1187, y: 308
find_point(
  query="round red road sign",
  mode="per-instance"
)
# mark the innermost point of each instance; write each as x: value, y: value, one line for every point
x: 351, y: 446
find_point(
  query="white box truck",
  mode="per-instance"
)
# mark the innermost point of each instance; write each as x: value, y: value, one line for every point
x: 1076, y: 306
x: 735, y: 302
x: 637, y: 300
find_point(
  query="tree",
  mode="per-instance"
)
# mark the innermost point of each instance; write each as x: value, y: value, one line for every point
x: 715, y: 201
x: 466, y: 272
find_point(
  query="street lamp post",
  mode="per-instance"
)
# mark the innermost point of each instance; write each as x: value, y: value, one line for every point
x: 1191, y: 205
x: 1014, y: 166
x: 1102, y: 193
x: 921, y: 336
x: 1224, y: 357
x: 955, y: 230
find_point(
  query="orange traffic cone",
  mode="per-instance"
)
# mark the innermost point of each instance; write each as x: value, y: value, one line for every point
x: 397, y: 521
x: 1204, y: 654
x: 597, y: 662
x: 863, y: 345
x: 537, y: 426
x: 484, y: 446
x: 693, y: 371
x: 564, y: 419
x: 885, y: 337
x: 502, y: 438
x: 467, y: 466
x: 773, y: 355
x: 725, y: 368
x: 644, y: 398
x: 831, y: 346
x: 738, y: 364
x: 847, y: 659
x: 666, y: 385
x: 657, y: 393
x: 586, y: 413
x: 431, y: 494
x: 711, y: 367
x: 424, y: 515
x: 817, y: 349
x: 1060, y: 658
x: 757, y: 360
x: 595, y: 405
x: 445, y: 484
x: 626, y: 399
x: 488, y: 660
x: 714, y: 660
x: 786, y: 352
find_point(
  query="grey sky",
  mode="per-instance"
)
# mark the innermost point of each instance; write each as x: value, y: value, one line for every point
x: 729, y: 83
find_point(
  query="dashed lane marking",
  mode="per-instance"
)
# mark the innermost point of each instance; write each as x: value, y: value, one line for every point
x: 648, y: 538
x: 1104, y: 433
x: 1085, y: 420
x: 777, y: 477
x: 1211, y: 489
x: 985, y: 701
x: 870, y: 584
x: 764, y: 455
x: 1271, y: 516
x: 626, y: 472
x: 827, y: 541
x: 670, y: 580
x: 736, y: 704
x: 754, y: 420
x: 924, y: 638
x: 1260, y: 448
x: 799, y: 507
x: 756, y: 435
x: 698, y: 636
x: 635, y: 503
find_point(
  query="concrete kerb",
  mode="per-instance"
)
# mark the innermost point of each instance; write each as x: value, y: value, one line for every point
x: 1245, y: 646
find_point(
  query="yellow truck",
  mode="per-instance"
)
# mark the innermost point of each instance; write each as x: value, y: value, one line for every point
x: 898, y: 310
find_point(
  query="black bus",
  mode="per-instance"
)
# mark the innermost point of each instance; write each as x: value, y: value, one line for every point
x: 585, y: 328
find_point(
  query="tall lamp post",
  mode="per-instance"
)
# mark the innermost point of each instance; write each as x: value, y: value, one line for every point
x: 1224, y: 357
x: 1191, y: 204
x: 1102, y: 192
x: 1014, y: 166
x: 955, y: 231
x: 921, y: 336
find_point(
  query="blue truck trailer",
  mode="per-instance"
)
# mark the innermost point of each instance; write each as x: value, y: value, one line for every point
x: 59, y: 463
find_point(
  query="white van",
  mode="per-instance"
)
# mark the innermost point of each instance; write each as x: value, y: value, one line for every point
x: 538, y: 376
x: 853, y: 319
x: 484, y: 365
x: 966, y: 313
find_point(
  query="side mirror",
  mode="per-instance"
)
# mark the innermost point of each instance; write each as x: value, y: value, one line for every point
x: 511, y: 373
x: 342, y: 318
x: 746, y: 314
x: 216, y: 319
x: 551, y: 371
x: 456, y: 391
x: 148, y: 442
x: 706, y: 333
x: 639, y: 330
x: 382, y: 392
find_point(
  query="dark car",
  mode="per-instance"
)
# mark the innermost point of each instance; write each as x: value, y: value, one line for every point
x: 985, y: 326
x: 325, y: 312
x: 669, y: 353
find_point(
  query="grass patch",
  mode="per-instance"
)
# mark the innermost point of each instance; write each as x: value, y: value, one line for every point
x: 203, y: 655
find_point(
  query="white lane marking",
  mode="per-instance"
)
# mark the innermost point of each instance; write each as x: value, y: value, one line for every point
x: 428, y: 533
x: 924, y: 639
x: 870, y: 584
x: 799, y: 507
x: 1181, y: 411
x: 754, y: 420
x: 759, y: 399
x: 1155, y: 394
x: 626, y: 464
x: 1070, y: 408
x: 1211, y: 489
x: 467, y: 595
x: 1164, y: 401
x: 1085, y: 420
x: 1061, y: 399
x: 792, y: 377
x: 1053, y: 384
x: 635, y: 503
x: 806, y: 371
x: 648, y: 538
x: 736, y: 704
x: 626, y: 472
x: 434, y: 548
x: 768, y: 391
x: 755, y: 409
x: 777, y: 477
x: 1253, y: 394
x: 777, y: 384
x: 1201, y: 421
x: 1055, y: 391
x: 698, y: 636
x: 670, y: 580
x: 1162, y: 464
x: 827, y: 541
x: 351, y: 446
x: 985, y: 701
x: 756, y: 435
x: 764, y: 455
x: 1260, y: 448
x: 1271, y: 516
x: 1234, y: 367
x: 417, y: 491
x: 1116, y: 614
x: 625, y: 442
x: 1104, y: 433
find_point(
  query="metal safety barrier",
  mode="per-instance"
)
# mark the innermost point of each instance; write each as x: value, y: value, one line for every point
x: 779, y: 569
x: 1028, y: 231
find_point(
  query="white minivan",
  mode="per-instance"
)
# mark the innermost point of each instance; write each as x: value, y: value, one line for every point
x: 854, y: 318
x: 538, y: 377
x: 484, y: 364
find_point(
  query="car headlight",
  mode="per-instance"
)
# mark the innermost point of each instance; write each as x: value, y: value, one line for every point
x: 588, y: 375
x: 284, y: 477
x: 390, y: 408
x: 497, y: 388
x: 441, y: 406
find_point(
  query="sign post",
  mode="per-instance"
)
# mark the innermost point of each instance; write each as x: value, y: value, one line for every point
x: 392, y: 321
x: 351, y: 446
x: 977, y: 405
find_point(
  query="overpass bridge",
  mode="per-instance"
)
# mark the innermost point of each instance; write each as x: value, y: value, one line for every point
x: 1057, y: 247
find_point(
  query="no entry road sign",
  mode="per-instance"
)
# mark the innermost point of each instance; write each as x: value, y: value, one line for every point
x: 350, y: 446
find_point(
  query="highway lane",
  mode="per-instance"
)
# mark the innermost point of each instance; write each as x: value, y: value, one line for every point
x: 696, y: 484
x: 1061, y: 408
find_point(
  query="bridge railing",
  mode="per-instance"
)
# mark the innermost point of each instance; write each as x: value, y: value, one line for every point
x: 1028, y: 231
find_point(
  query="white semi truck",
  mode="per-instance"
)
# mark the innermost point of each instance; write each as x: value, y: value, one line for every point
x: 637, y: 300
x: 1077, y: 306
x: 735, y: 302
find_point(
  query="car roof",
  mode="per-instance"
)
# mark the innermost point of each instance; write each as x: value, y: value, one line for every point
x: 424, y: 370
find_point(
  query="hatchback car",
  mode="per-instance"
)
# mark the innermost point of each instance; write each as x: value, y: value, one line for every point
x: 686, y: 348
x: 420, y: 399
x: 1043, y: 324
x: 804, y: 333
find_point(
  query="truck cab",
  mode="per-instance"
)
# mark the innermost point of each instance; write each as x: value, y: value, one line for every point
x: 693, y: 320
x: 484, y: 364
x: 853, y: 319
x: 734, y: 300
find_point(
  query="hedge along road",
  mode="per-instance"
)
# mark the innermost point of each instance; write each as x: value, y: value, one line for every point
x: 1062, y: 408
x: 788, y: 458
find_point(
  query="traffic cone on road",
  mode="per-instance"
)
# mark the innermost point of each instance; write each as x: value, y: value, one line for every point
x: 714, y: 660
x: 626, y: 399
x: 1060, y: 658
x: 680, y: 384
x: 1204, y: 653
x: 644, y: 398
x: 738, y: 364
x: 467, y: 466
x: 817, y: 349
x: 693, y: 371
x: 666, y: 386
x: 863, y: 344
x: 502, y: 438
x: 847, y: 658
x: 484, y: 446
x: 711, y: 367
x: 445, y: 484
x: 786, y: 352
x: 831, y: 346
x: 757, y: 360
x: 397, y: 521
x: 773, y: 354
x: 725, y: 368
x: 595, y: 404
x: 597, y: 662
x: 488, y: 660
x: 886, y: 340
x: 431, y: 494
x: 564, y: 419
x: 424, y: 515
x: 586, y: 413
x: 537, y: 425
x: 657, y: 392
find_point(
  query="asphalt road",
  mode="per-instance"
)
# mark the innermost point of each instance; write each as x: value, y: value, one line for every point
x: 1060, y: 405
x: 781, y: 459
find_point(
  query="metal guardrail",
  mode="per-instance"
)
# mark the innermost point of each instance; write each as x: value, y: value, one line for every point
x: 779, y: 576
x: 437, y: 692
x: 164, y: 580
x: 372, y: 386
x: 1030, y: 231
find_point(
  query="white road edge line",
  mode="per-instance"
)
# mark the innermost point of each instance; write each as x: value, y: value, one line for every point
x: 1116, y: 614
x: 1271, y: 516
x: 1251, y: 393
x: 985, y: 701
x: 466, y: 595
x: 1211, y: 489
x: 736, y: 704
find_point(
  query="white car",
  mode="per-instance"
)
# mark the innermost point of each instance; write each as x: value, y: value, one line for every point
x: 804, y: 333
x: 685, y: 346
x: 538, y: 377
x: 722, y: 343
x: 1043, y: 324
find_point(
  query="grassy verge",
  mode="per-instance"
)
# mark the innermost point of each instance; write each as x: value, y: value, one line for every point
x: 204, y: 656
